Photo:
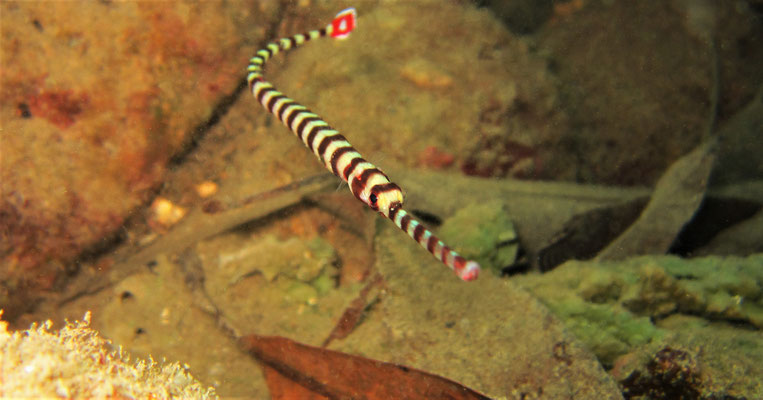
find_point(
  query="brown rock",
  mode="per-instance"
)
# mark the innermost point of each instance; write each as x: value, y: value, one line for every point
x: 638, y: 82
x: 488, y: 334
x: 96, y: 98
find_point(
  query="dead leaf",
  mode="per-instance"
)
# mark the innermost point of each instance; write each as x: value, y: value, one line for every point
x: 337, y: 375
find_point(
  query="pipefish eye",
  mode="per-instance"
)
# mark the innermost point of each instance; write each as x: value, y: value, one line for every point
x: 373, y: 199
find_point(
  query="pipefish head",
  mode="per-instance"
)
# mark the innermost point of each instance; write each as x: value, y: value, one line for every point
x: 382, y: 197
x: 385, y: 198
x: 371, y: 186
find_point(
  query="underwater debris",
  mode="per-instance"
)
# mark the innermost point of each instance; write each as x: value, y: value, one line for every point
x: 671, y: 374
x: 206, y: 189
x: 684, y: 364
x: 338, y: 375
x: 165, y: 213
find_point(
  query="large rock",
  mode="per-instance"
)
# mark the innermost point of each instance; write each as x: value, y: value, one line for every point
x: 639, y: 82
x: 96, y: 99
x: 488, y: 334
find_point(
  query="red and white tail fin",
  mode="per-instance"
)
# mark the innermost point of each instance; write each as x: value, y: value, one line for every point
x: 343, y: 23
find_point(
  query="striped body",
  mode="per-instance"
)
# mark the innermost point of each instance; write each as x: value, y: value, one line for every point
x: 367, y: 182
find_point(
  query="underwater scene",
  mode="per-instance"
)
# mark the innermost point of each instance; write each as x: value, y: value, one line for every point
x: 381, y: 199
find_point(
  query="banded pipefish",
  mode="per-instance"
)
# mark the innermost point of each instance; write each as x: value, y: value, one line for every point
x: 367, y: 182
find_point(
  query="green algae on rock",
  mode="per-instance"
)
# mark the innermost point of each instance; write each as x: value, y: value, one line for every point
x: 483, y: 232
x: 609, y: 305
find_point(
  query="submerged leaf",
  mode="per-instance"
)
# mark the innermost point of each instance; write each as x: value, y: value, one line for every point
x: 342, y: 376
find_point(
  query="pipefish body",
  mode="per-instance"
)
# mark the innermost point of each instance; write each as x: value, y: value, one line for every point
x: 367, y: 182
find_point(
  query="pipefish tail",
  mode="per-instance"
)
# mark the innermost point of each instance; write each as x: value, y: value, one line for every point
x: 367, y: 182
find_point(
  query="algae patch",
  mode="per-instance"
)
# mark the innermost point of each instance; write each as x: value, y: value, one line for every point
x: 483, y: 232
x: 611, y: 305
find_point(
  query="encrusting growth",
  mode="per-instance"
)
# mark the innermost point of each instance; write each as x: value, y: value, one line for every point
x: 367, y: 182
x: 76, y: 363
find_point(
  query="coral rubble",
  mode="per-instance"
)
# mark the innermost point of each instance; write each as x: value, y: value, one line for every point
x: 75, y: 362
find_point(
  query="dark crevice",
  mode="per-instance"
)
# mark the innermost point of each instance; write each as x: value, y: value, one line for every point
x: 223, y: 106
x: 200, y: 131
x: 585, y: 234
x: 713, y: 216
x: 738, y: 323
